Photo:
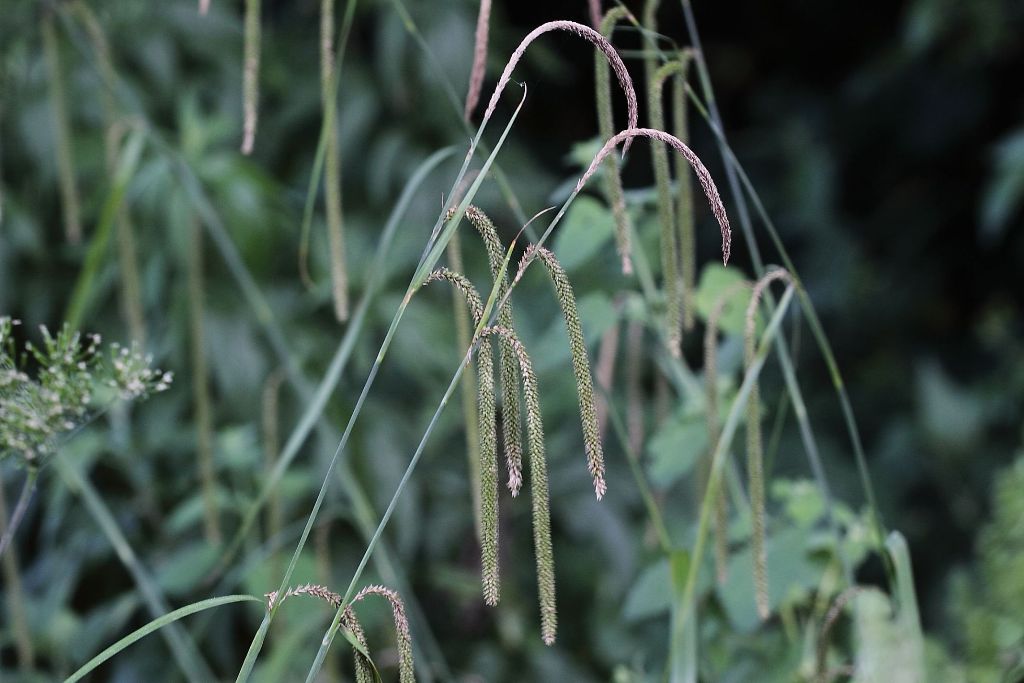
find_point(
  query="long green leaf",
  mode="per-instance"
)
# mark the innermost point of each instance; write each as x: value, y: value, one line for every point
x: 156, y: 625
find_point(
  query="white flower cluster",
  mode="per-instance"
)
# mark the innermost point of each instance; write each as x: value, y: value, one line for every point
x: 36, y: 412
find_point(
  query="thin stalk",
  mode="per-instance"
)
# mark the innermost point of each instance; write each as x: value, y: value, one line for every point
x: 606, y: 128
x: 28, y: 489
x: 670, y: 247
x: 463, y: 338
x: 200, y: 386
x: 684, y: 213
x: 189, y: 660
x: 14, y: 590
x: 327, y: 139
x: 70, y: 203
x: 718, y: 458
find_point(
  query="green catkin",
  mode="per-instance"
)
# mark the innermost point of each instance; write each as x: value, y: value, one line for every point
x: 488, y: 449
x: 580, y: 364
x: 131, y: 297
x: 686, y: 239
x: 468, y: 383
x: 511, y: 413
x: 606, y: 129
x: 250, y: 75
x: 538, y: 488
x: 200, y: 386
x: 663, y: 182
x: 332, y: 168
x: 62, y: 135
x: 713, y: 428
x: 755, y: 447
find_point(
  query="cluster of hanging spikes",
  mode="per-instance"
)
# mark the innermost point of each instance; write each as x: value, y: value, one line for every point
x: 516, y: 364
x: 364, y: 669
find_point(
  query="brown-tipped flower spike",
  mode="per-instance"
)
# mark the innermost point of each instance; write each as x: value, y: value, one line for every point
x: 755, y: 458
x: 479, y: 70
x: 511, y: 419
x: 583, y: 32
x: 710, y: 191
x: 580, y: 363
x: 488, y: 441
x: 363, y: 666
x: 713, y: 428
x: 406, y: 673
x: 539, y: 489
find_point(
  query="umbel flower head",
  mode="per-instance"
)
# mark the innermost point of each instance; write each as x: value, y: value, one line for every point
x: 35, y: 412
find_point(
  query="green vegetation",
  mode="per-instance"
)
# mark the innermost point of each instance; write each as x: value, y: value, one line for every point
x: 248, y: 193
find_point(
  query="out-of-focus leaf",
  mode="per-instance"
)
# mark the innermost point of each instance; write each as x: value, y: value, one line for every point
x: 715, y: 281
x: 675, y: 448
x: 586, y: 229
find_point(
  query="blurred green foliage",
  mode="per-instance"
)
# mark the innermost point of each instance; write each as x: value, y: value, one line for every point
x: 886, y: 142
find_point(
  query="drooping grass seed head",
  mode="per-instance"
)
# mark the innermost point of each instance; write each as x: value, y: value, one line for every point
x: 706, y: 182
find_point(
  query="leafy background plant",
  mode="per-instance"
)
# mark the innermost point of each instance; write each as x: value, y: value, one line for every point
x: 884, y: 140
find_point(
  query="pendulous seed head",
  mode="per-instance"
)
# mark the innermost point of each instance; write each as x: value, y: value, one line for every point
x: 708, y: 185
x: 580, y: 363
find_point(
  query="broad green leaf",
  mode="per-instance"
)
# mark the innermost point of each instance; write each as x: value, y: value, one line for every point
x: 675, y: 448
x: 715, y: 282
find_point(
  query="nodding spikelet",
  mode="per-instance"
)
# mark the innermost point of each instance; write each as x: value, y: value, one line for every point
x: 755, y: 446
x: 479, y: 70
x: 313, y: 590
x: 708, y: 185
x: 250, y: 75
x: 511, y: 415
x: 606, y: 128
x: 488, y: 513
x: 580, y: 363
x: 204, y: 7
x: 406, y: 673
x: 712, y: 422
x: 70, y: 204
x: 670, y: 252
x: 332, y: 167
x: 538, y: 489
x: 686, y: 235
x: 587, y: 33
